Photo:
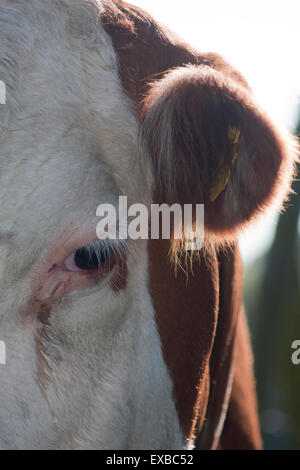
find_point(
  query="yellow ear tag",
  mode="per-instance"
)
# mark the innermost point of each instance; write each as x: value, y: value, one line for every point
x: 234, y: 134
x: 220, y: 183
x: 222, y: 178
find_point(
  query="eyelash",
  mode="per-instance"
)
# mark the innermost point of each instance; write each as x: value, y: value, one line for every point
x: 106, y: 247
x: 93, y: 257
x: 98, y: 250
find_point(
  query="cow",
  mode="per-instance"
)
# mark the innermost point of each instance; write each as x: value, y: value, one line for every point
x: 125, y: 344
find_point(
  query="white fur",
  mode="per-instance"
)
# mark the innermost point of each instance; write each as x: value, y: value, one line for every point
x: 68, y: 142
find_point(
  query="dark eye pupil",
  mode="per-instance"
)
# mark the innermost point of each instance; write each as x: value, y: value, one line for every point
x: 87, y: 259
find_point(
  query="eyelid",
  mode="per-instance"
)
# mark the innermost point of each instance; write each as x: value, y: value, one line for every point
x: 102, y: 249
x: 108, y: 247
x: 58, y: 278
x: 99, y: 250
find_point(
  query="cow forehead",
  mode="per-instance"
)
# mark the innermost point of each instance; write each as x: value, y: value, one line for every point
x: 64, y: 95
x: 61, y: 73
x: 57, y: 36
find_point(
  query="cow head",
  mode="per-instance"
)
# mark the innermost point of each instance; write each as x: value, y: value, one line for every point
x: 84, y: 366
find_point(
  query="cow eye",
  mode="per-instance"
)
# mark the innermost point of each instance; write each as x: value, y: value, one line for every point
x: 87, y: 258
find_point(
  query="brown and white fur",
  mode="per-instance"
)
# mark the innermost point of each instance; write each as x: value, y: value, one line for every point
x: 101, y: 101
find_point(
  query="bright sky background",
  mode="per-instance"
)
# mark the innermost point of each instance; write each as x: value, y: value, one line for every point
x: 259, y: 37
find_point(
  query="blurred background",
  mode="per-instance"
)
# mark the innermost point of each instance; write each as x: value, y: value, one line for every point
x: 261, y: 38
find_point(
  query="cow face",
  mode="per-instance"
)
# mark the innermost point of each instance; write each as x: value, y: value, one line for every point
x: 78, y: 327
x: 101, y: 102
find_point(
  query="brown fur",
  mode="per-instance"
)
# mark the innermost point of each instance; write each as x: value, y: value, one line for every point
x: 226, y: 363
x: 241, y: 427
x: 146, y: 49
x: 186, y: 331
x: 186, y: 118
x: 198, y: 104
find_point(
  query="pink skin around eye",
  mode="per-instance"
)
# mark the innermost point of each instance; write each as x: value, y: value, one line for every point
x: 58, y: 273
x: 66, y: 277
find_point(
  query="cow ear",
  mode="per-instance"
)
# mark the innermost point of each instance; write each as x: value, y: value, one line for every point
x: 211, y: 144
